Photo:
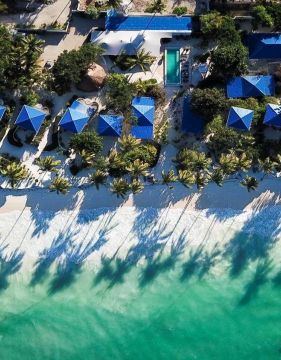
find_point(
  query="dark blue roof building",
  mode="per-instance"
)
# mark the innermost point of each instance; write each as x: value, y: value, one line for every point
x: 272, y: 115
x: 148, y: 22
x: 30, y: 118
x: 110, y: 125
x: 250, y: 86
x: 240, y: 118
x: 191, y: 122
x: 264, y: 46
x: 143, y: 109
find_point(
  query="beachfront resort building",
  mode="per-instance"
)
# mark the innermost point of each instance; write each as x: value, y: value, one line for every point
x: 155, y: 34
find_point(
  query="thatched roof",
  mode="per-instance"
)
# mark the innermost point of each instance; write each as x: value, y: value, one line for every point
x: 94, y: 78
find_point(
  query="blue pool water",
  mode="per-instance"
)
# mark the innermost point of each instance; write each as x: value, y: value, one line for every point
x: 172, y: 66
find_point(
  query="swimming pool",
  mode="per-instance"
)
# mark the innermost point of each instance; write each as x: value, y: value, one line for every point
x: 172, y: 67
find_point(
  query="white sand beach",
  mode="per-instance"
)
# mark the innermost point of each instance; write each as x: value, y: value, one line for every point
x: 87, y: 225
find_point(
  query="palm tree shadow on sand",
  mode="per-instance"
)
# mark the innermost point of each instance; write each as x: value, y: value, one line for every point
x: 9, y: 265
x: 261, y: 276
x: 151, y: 237
x: 48, y: 256
x: 70, y: 264
x: 200, y: 262
x: 246, y: 246
x: 159, y: 264
x: 41, y: 222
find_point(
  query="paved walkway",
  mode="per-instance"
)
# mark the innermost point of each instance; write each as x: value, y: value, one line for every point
x: 59, y: 11
x: 55, y: 44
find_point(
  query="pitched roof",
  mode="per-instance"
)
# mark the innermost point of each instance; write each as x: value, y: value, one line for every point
x: 142, y: 132
x: 143, y: 108
x: 30, y: 118
x: 2, y: 111
x: 110, y: 125
x: 76, y: 117
x: 272, y: 115
x: 264, y: 46
x: 240, y: 118
x: 250, y: 86
x: 191, y: 122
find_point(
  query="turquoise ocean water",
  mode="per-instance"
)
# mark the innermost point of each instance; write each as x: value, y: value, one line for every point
x: 162, y: 310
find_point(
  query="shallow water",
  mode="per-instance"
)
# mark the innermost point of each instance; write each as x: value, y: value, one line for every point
x: 129, y: 315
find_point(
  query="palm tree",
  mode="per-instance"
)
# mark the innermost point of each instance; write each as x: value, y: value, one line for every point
x: 187, y: 178
x: 168, y: 177
x: 228, y: 163
x: 128, y: 142
x: 137, y: 168
x: 158, y: 6
x: 98, y: 178
x: 120, y: 187
x: 244, y: 163
x: 15, y: 172
x: 193, y: 160
x: 116, y: 163
x: 60, y: 185
x: 140, y: 86
x: 218, y: 176
x: 278, y: 163
x: 101, y: 163
x: 136, y: 186
x: 142, y: 59
x: 48, y: 163
x: 201, y: 179
x: 250, y: 182
x: 87, y: 157
x: 267, y: 166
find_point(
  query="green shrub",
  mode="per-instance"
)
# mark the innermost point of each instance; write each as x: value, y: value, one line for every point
x: 180, y: 10
x: 88, y: 141
x: 147, y: 153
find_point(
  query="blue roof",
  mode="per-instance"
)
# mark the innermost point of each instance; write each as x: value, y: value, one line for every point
x: 142, y: 132
x: 2, y: 111
x: 240, y: 118
x: 110, y: 125
x: 76, y: 117
x: 191, y: 122
x: 152, y: 22
x: 264, y: 46
x: 250, y: 86
x: 143, y: 108
x: 30, y: 118
x: 272, y: 115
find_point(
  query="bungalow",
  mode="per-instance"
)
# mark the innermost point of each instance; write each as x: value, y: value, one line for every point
x: 30, y: 118
x: 191, y: 122
x: 110, y: 125
x: 240, y: 118
x: 76, y: 117
x: 272, y: 115
x: 143, y: 110
x: 250, y: 86
x: 264, y: 46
